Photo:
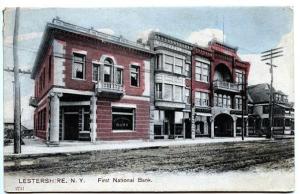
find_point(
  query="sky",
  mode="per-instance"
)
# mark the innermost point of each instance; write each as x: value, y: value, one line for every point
x: 251, y: 29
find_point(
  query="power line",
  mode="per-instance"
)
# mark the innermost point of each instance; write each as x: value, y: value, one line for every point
x: 270, y: 55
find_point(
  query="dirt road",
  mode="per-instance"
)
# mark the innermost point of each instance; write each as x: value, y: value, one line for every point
x: 213, y: 157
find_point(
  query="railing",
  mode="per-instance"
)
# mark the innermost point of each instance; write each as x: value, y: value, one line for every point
x: 99, y: 34
x: 33, y: 101
x: 223, y: 85
x: 109, y: 87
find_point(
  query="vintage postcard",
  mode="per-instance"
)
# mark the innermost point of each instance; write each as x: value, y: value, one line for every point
x: 149, y: 99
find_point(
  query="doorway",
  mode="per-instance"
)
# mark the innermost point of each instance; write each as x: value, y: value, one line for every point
x: 71, y: 126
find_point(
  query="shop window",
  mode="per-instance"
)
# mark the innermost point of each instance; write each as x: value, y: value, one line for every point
x: 123, y: 119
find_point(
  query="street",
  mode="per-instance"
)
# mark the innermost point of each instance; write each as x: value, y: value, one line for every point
x: 212, y: 157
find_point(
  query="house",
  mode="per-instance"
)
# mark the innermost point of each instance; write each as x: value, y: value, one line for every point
x: 90, y: 86
x: 259, y: 110
x: 94, y: 86
x: 219, y: 80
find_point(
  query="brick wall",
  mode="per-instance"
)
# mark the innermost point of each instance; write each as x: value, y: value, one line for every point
x: 45, y: 68
x: 95, y: 49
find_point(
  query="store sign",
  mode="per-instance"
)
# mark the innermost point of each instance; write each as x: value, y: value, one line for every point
x: 122, y: 122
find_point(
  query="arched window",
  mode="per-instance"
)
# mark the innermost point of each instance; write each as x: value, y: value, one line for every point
x: 107, y: 71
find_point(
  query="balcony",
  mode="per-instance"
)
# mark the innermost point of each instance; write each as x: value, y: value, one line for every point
x: 33, y: 102
x: 226, y: 86
x: 109, y: 90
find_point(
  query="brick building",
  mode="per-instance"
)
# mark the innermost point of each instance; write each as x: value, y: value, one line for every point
x: 90, y: 86
x: 94, y: 86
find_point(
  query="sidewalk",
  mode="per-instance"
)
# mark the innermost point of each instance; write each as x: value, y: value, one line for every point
x: 35, y: 147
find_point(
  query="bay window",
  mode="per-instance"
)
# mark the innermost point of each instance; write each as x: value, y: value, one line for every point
x: 178, y: 93
x: 168, y: 92
x: 178, y: 65
x: 158, y: 90
x: 169, y: 61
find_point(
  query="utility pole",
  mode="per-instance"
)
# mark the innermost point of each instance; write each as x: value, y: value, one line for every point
x: 270, y: 55
x: 17, y: 101
x: 244, y: 103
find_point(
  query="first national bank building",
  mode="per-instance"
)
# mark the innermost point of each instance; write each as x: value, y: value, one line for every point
x: 94, y: 86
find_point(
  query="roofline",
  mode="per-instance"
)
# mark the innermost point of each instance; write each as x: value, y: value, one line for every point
x: 61, y: 25
x: 173, y: 38
x: 235, y: 48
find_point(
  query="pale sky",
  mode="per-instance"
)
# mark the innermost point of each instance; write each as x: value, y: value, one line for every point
x: 252, y: 30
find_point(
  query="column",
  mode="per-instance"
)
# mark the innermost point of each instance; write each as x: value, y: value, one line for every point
x: 212, y: 127
x: 247, y: 128
x: 193, y: 128
x: 151, y: 123
x: 234, y: 126
x: 54, y: 118
x: 205, y: 126
x: 93, y: 118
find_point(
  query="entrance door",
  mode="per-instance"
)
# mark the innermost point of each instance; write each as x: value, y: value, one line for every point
x: 71, y: 126
x: 169, y: 117
x: 223, y: 125
x: 188, y: 131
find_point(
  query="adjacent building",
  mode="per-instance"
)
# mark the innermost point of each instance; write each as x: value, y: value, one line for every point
x: 219, y: 80
x: 259, y: 110
x: 94, y: 86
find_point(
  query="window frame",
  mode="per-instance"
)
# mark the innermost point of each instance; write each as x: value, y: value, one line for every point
x: 83, y: 66
x: 137, y: 73
x: 201, y: 66
x: 99, y: 72
x: 133, y: 114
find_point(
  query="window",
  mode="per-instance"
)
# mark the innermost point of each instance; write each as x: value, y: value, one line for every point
x: 169, y: 61
x: 96, y: 72
x: 201, y: 99
x: 222, y: 100
x: 187, y: 96
x: 78, y: 67
x: 168, y: 92
x: 107, y: 73
x: 50, y: 67
x: 266, y: 109
x: 238, y: 103
x: 123, y: 119
x: 134, y: 75
x: 178, y: 65
x: 158, y: 91
x: 118, y: 76
x: 187, y: 70
x: 178, y: 92
x: 240, y: 79
x: 202, y: 71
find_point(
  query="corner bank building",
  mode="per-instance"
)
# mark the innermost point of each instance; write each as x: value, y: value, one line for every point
x: 95, y: 87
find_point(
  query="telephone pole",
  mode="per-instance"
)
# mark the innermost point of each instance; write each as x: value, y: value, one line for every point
x: 17, y: 101
x: 270, y: 55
